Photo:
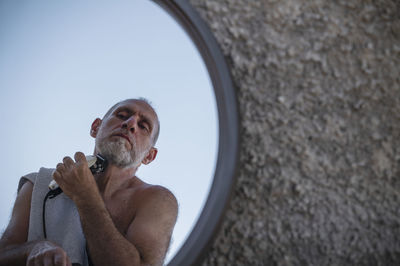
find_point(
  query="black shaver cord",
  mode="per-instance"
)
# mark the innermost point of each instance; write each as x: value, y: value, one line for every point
x: 51, y: 194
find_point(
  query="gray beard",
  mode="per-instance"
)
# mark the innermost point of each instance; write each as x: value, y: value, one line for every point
x: 116, y: 153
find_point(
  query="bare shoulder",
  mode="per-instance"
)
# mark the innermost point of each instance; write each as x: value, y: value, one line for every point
x: 158, y: 195
x: 155, y: 203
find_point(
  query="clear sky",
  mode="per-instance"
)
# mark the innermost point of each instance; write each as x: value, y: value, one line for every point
x: 64, y: 63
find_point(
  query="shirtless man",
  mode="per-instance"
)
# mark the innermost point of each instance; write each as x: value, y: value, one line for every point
x: 124, y: 220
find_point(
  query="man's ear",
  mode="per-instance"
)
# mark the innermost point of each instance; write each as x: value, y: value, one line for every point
x: 94, y: 129
x: 151, y: 155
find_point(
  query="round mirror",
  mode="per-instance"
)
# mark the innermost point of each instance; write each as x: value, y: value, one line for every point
x: 62, y: 64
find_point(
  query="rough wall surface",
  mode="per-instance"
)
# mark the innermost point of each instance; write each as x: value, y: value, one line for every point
x: 318, y: 85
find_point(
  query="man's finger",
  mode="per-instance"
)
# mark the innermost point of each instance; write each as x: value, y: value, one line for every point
x: 59, y: 259
x: 56, y: 175
x: 60, y: 167
x: 80, y: 157
x: 48, y: 260
x: 68, y: 161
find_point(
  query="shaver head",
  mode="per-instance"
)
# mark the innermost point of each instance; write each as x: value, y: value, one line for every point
x: 99, y: 165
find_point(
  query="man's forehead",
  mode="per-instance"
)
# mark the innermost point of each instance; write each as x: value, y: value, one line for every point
x: 135, y: 105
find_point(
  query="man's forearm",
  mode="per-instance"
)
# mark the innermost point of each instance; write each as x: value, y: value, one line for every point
x: 106, y: 244
x: 15, y: 254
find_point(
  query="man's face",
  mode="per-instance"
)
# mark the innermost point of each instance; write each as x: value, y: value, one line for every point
x: 125, y: 136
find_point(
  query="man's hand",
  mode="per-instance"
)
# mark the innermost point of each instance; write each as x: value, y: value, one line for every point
x: 47, y: 253
x: 75, y: 178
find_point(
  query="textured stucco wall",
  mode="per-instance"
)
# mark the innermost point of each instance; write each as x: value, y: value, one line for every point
x: 318, y: 85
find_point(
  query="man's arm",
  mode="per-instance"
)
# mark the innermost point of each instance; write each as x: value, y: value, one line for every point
x: 14, y: 250
x: 151, y: 230
x: 147, y: 238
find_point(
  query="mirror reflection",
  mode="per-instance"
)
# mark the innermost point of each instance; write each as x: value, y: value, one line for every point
x: 64, y: 63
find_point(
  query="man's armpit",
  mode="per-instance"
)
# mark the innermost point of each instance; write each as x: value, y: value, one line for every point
x: 29, y: 177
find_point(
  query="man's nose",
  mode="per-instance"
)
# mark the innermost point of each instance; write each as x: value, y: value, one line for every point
x: 130, y: 124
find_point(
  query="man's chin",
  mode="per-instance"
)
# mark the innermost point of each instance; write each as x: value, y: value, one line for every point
x: 116, y: 154
x: 120, y: 163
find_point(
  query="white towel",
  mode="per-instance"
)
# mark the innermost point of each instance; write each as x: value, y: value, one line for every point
x: 63, y: 225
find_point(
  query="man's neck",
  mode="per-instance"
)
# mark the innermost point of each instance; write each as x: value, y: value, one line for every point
x: 113, y: 178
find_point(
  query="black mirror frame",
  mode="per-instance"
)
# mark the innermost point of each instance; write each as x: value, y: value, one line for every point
x: 194, y: 249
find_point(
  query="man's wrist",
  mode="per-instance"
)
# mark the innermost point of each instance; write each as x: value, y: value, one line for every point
x: 88, y: 199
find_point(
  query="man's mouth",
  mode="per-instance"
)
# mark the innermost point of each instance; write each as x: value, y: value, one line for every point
x: 124, y: 136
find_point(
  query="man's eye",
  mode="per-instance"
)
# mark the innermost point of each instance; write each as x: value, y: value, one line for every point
x: 143, y: 126
x: 122, y: 116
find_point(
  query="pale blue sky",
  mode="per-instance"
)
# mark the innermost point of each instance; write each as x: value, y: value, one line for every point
x: 64, y: 63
